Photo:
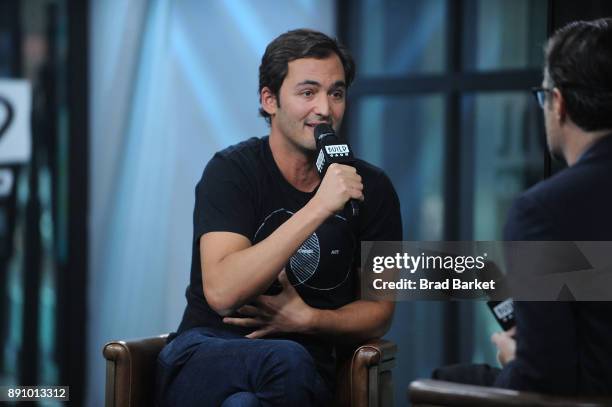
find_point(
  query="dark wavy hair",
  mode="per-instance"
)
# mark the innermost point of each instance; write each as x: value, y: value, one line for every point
x: 579, y: 64
x: 296, y: 44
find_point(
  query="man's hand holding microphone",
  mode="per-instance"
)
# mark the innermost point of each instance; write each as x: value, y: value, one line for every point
x: 340, y: 182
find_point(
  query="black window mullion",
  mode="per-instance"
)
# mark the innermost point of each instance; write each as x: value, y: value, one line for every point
x: 452, y: 162
x: 348, y: 23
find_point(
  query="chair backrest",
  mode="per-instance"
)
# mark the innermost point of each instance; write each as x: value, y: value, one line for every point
x: 130, y: 371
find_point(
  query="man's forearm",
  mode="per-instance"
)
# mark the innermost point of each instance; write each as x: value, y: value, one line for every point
x: 231, y: 286
x: 353, y: 323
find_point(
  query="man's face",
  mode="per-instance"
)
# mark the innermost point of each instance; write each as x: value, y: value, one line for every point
x: 313, y: 92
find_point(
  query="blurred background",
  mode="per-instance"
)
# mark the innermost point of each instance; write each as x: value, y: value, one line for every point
x: 109, y: 110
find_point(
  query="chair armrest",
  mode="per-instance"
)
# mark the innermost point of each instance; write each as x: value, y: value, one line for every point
x: 364, y: 374
x: 427, y: 392
x: 376, y: 352
x: 130, y: 370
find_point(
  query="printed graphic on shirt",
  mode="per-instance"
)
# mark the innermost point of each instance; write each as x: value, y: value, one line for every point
x: 305, y: 261
x: 324, y: 260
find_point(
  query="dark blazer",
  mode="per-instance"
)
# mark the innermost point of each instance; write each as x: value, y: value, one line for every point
x: 565, y: 347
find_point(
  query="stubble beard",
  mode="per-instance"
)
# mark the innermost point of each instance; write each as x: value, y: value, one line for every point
x: 295, y: 135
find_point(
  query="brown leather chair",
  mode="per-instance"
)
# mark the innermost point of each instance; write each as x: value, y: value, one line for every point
x: 364, y: 373
x: 437, y: 393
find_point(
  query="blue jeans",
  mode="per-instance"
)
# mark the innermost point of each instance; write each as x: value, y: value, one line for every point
x: 210, y: 367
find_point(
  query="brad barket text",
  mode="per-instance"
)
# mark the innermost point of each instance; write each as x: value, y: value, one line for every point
x: 425, y: 284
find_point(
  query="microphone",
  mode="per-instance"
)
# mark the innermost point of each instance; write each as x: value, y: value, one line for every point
x: 332, y: 149
x: 503, y: 310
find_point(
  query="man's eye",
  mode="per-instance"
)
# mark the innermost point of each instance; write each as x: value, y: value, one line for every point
x: 307, y: 93
x: 338, y: 95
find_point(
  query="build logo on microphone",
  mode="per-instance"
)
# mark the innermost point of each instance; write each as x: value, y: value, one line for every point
x: 337, y: 150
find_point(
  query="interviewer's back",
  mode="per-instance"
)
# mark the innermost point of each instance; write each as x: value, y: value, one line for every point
x: 565, y: 347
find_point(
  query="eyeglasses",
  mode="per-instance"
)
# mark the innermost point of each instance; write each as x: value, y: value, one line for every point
x: 540, y: 95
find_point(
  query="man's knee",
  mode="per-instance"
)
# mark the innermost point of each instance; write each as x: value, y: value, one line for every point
x: 291, y: 355
x: 292, y: 368
x: 289, y: 360
x: 241, y: 399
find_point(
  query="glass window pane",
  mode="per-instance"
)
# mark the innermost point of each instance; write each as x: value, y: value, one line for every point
x: 404, y: 136
x: 399, y: 37
x: 506, y: 132
x: 34, y: 240
x: 503, y: 34
x: 507, y: 156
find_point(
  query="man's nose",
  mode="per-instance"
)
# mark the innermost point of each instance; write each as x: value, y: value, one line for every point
x: 322, y: 105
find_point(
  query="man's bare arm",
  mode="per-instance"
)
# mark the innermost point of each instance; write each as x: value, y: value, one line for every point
x: 288, y: 313
x: 355, y: 322
x: 234, y: 271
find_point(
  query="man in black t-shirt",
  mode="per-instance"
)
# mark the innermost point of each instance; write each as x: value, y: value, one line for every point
x: 274, y: 276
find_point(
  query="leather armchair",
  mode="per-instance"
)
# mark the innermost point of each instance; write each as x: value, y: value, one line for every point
x: 363, y: 376
x: 437, y: 393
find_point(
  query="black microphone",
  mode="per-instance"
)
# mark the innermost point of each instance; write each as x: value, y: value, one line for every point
x: 503, y: 310
x: 332, y: 149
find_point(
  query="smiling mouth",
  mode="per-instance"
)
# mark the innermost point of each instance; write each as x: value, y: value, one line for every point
x: 313, y: 125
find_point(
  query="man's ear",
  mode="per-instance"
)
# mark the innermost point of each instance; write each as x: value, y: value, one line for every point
x: 268, y: 101
x: 558, y: 105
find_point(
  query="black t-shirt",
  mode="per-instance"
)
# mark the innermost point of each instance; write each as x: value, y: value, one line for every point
x: 243, y: 191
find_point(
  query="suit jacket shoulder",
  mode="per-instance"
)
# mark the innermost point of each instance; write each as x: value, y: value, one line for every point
x: 574, y: 204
